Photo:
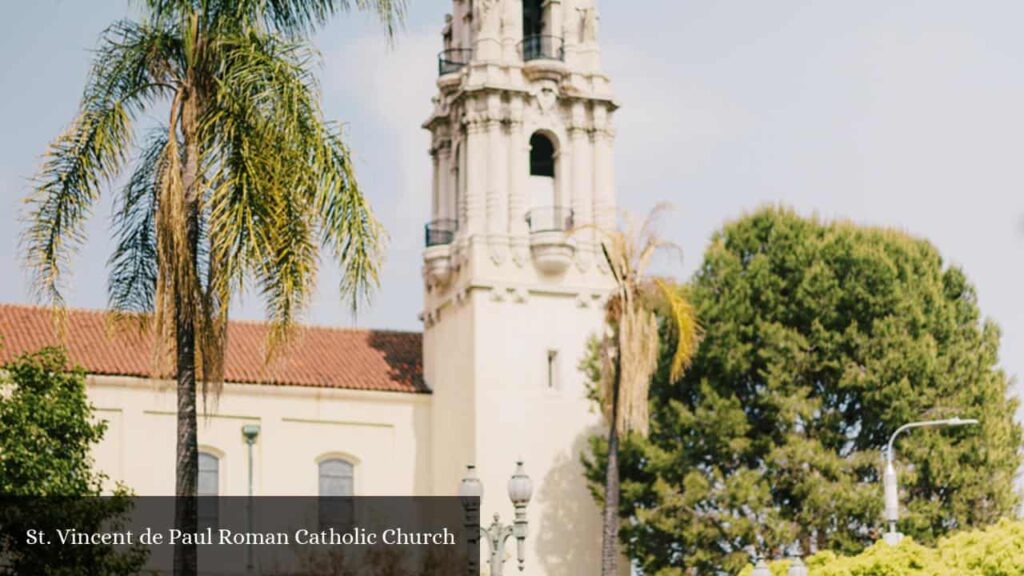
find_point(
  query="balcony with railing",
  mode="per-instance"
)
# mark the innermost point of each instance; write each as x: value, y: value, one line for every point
x: 550, y: 219
x: 542, y: 47
x: 440, y: 232
x: 452, y: 60
x: 550, y: 242
x: 438, y: 236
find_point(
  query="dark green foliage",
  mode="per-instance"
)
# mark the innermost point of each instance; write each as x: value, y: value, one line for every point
x: 46, y: 429
x: 46, y: 477
x: 821, y: 339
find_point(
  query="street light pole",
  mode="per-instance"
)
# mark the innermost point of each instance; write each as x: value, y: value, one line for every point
x: 520, y: 489
x: 249, y: 432
x: 892, y: 492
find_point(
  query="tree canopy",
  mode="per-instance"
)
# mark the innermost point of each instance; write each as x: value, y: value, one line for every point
x: 821, y: 338
x: 47, y: 430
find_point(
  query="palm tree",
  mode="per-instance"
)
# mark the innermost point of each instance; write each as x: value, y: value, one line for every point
x: 242, y: 184
x: 629, y: 352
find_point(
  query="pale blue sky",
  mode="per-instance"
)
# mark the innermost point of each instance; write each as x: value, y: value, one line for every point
x: 906, y: 114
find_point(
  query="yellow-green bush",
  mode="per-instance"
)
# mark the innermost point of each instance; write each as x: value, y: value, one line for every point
x: 995, y: 551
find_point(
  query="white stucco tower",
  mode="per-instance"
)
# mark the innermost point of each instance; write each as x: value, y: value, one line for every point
x: 522, y: 153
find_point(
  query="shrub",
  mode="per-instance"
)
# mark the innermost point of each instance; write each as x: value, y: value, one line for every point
x: 995, y: 551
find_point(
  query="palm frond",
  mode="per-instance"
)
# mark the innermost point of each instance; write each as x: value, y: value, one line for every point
x: 630, y: 351
x: 287, y: 278
x: 349, y: 226
x: 133, y: 265
x: 683, y: 325
x: 637, y: 360
x: 269, y: 109
x: 126, y: 74
x: 91, y: 151
x: 136, y: 64
x: 293, y: 18
x: 173, y: 290
x: 300, y: 18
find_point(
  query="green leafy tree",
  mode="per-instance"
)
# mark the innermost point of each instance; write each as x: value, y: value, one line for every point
x: 47, y: 429
x: 627, y: 355
x: 243, y: 183
x: 821, y: 339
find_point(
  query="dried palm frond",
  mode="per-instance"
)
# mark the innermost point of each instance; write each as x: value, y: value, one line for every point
x: 629, y: 353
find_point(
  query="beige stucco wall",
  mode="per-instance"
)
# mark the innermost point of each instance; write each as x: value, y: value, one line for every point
x: 485, y: 356
x: 386, y: 435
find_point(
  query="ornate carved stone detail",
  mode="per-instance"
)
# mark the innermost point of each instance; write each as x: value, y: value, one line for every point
x: 487, y: 19
x: 577, y: 119
x: 547, y: 99
x: 519, y: 295
x: 498, y: 247
x: 520, y: 252
x: 498, y: 294
x: 441, y: 146
x: 475, y: 121
x: 430, y: 318
x: 589, y: 24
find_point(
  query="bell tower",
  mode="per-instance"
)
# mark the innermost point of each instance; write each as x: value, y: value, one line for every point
x: 513, y: 279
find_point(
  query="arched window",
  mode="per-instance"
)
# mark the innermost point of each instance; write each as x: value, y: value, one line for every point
x: 336, y: 477
x: 533, y: 18
x: 209, y: 475
x: 336, y: 480
x: 542, y: 156
x: 544, y: 212
x: 209, y: 485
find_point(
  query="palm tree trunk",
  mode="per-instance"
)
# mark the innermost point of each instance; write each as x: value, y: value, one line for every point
x: 186, y: 513
x: 610, y: 545
x: 187, y: 465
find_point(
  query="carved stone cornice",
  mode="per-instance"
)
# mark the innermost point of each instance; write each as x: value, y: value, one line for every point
x: 515, y: 118
x: 482, y: 121
x: 475, y: 122
x: 578, y: 130
x: 603, y: 126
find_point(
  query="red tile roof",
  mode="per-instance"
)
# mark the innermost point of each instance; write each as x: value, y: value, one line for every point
x: 321, y: 357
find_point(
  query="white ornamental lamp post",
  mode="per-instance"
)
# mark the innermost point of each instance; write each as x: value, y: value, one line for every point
x: 471, y: 491
x: 520, y: 490
x: 892, y: 491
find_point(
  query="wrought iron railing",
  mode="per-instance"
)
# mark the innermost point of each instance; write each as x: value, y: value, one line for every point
x: 440, y: 232
x: 542, y: 48
x: 453, y: 59
x: 550, y: 219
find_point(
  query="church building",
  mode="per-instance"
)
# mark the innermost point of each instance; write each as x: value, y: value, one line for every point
x: 513, y: 288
